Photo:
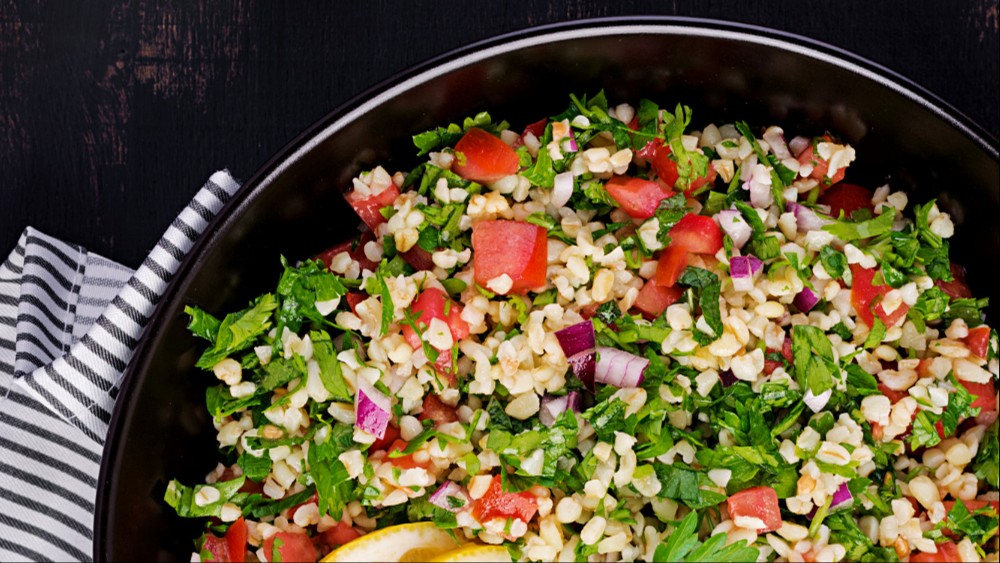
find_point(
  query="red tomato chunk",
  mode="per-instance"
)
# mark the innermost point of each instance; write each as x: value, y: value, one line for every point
x: 637, y: 197
x: 697, y: 234
x: 368, y: 207
x: 232, y: 547
x: 653, y: 299
x: 289, y: 546
x: 482, y: 157
x: 431, y: 304
x: 757, y: 502
x: 847, y: 198
x: 947, y: 552
x: 498, y: 504
x: 520, y: 250
x: 867, y: 298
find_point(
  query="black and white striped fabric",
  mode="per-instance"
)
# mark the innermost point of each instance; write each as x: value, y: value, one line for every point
x: 69, y: 321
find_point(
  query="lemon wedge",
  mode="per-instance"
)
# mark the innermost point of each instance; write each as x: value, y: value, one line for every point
x: 474, y: 554
x: 419, y: 541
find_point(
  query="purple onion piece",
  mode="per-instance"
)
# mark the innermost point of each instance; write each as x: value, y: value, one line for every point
x: 805, y: 300
x: 727, y: 378
x: 373, y: 409
x: 577, y: 338
x: 619, y: 368
x: 440, y: 498
x: 842, y: 497
x: 553, y: 407
x: 806, y: 219
x: 733, y: 224
x: 744, y: 270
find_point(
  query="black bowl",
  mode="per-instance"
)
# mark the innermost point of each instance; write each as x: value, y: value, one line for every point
x: 293, y: 206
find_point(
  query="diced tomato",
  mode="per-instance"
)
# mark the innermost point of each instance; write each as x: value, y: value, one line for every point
x: 972, y: 505
x: 867, y: 298
x: 482, y: 157
x: 653, y: 299
x: 520, y: 250
x: 986, y: 400
x: 820, y: 166
x: 355, y: 248
x: 697, y: 233
x: 637, y: 197
x: 947, y: 552
x: 354, y: 298
x: 672, y: 262
x: 232, y: 547
x: 431, y: 304
x: 665, y: 167
x: 498, y: 504
x: 978, y: 341
x: 956, y: 288
x: 419, y: 258
x: 786, y: 353
x: 368, y: 207
x: 757, y: 502
x: 894, y: 396
x: 405, y: 461
x: 846, y: 198
x: 537, y: 128
x: 340, y: 534
x: 437, y: 411
x: 313, y: 499
x: 390, y: 437
x: 289, y: 546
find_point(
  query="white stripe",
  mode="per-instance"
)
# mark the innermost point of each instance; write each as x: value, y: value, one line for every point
x: 37, y: 544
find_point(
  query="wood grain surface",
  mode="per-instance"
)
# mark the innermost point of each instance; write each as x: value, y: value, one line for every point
x: 113, y: 112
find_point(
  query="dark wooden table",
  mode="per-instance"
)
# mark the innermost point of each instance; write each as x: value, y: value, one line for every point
x: 113, y: 112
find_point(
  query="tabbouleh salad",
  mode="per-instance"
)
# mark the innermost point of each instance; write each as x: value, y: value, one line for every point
x: 612, y: 337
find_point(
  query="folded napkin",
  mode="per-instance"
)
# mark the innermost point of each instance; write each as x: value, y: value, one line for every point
x: 69, y: 322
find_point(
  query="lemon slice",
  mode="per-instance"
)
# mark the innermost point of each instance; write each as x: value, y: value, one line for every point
x: 419, y: 541
x: 474, y: 554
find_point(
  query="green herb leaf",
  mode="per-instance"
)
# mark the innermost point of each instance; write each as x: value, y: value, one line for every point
x: 849, y: 231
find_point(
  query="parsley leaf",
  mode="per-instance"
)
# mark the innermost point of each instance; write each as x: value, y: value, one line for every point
x: 182, y: 498
x: 987, y: 462
x: 238, y: 331
x: 814, y: 366
x: 682, y: 545
x: 834, y: 261
x: 710, y: 289
x: 848, y: 231
x: 448, y: 136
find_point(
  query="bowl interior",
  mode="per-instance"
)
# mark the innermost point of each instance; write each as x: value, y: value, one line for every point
x: 293, y: 206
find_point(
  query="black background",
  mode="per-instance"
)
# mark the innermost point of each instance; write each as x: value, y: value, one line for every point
x: 113, y: 113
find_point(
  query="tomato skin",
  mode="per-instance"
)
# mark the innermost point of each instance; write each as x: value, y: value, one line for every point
x: 498, y: 504
x: 293, y: 547
x: 978, y: 341
x: 340, y: 534
x: 866, y: 298
x: 637, y: 197
x: 665, y: 167
x: 537, y: 128
x: 434, y: 409
x: 390, y: 437
x: 697, y: 234
x: 354, y: 298
x: 429, y: 305
x: 947, y: 553
x: 894, y: 396
x: 236, y: 540
x: 757, y: 502
x: 217, y: 547
x: 846, y: 198
x: 482, y: 157
x: 419, y: 258
x: 515, y: 248
x: 653, y: 299
x: 405, y: 461
x: 672, y: 262
x: 368, y: 207
x: 355, y: 248
x: 820, y: 166
x: 986, y: 400
x: 786, y: 353
x: 956, y: 288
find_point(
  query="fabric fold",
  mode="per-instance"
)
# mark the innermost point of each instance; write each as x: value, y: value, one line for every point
x: 69, y: 323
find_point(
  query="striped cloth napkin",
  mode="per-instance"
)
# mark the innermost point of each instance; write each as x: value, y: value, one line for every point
x: 69, y: 322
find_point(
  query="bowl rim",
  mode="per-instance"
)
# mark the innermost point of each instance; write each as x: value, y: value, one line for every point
x: 429, y: 69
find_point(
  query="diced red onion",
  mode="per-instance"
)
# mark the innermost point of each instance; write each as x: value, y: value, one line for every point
x: 732, y: 222
x: 817, y: 402
x: 372, y: 409
x: 553, y: 406
x: 449, y: 489
x: 619, y: 368
x: 799, y: 144
x: 578, y: 344
x: 842, y: 497
x: 775, y: 138
x: 806, y: 219
x: 805, y: 300
x: 744, y: 270
x: 569, y: 144
x: 562, y: 189
x: 727, y: 378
